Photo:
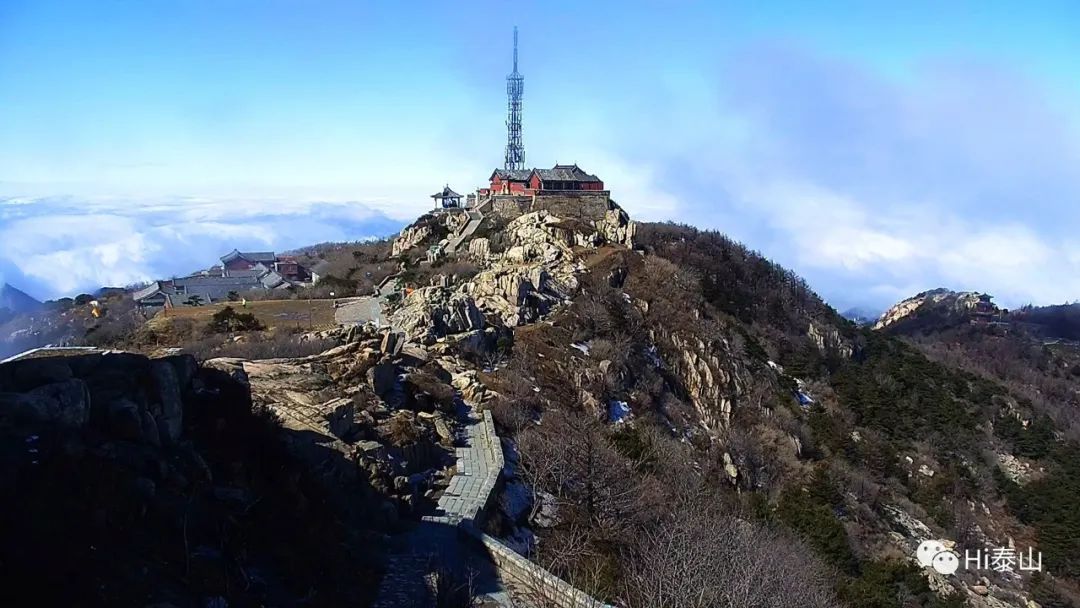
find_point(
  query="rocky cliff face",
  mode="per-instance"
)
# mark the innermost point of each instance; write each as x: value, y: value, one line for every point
x: 126, y: 396
x: 409, y: 238
x: 828, y: 339
x: 154, y: 481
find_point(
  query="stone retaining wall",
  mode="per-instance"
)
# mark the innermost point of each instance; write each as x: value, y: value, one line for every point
x: 586, y: 206
x: 510, y: 207
x: 537, y: 581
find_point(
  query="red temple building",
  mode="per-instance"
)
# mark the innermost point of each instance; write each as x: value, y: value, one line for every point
x: 558, y: 180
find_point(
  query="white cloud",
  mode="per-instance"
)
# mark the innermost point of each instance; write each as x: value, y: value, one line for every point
x: 61, y: 245
x: 960, y: 175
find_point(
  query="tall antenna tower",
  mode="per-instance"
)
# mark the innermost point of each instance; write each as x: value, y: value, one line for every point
x: 515, y: 86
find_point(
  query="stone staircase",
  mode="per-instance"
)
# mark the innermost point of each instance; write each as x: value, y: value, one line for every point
x: 476, y: 217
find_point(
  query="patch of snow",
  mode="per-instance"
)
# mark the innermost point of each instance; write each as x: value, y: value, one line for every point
x: 536, y: 389
x: 584, y: 348
x: 619, y: 411
x: 776, y: 366
x: 626, y: 296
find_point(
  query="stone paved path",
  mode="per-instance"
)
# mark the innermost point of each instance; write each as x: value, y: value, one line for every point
x: 479, y: 462
x: 436, y: 543
x: 366, y: 309
x: 359, y: 311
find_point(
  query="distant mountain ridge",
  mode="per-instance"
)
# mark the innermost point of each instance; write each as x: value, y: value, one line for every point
x: 861, y: 315
x: 16, y: 300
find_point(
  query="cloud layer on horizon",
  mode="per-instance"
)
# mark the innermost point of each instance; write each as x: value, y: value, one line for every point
x: 958, y: 175
x: 56, y: 246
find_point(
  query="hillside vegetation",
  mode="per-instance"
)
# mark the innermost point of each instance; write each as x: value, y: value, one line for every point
x: 895, y: 447
x: 686, y: 423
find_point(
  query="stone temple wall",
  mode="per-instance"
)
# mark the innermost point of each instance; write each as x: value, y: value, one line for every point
x: 511, y: 207
x: 584, y: 206
x: 588, y: 207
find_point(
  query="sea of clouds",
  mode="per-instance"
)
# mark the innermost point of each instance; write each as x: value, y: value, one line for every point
x: 56, y: 246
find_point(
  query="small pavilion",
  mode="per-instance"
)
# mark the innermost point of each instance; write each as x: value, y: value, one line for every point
x: 447, y: 198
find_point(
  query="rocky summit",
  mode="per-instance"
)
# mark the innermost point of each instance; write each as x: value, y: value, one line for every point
x: 940, y: 302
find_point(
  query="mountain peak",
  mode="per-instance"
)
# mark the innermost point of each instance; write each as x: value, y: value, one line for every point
x: 16, y: 300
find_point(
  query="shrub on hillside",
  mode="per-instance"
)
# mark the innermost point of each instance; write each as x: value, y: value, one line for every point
x: 228, y: 320
x: 403, y: 432
x: 701, y: 556
x: 809, y: 512
x: 341, y: 288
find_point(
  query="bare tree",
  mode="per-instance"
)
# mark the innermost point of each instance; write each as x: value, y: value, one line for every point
x: 698, y: 557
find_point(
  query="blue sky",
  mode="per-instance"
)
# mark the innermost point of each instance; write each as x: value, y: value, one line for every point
x: 877, y: 151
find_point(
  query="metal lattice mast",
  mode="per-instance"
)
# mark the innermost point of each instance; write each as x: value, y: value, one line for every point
x: 515, y: 86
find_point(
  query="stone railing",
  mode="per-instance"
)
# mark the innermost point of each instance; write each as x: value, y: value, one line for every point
x: 534, y: 581
x: 386, y: 280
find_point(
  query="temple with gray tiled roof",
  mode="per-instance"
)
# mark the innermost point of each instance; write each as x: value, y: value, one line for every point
x: 239, y: 272
x: 250, y: 256
x: 559, y: 179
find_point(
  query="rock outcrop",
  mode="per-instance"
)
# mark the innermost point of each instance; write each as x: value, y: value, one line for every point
x: 710, y: 376
x: 155, y: 482
x: 410, y: 237
x: 827, y: 338
x: 942, y: 301
x: 127, y: 396
x: 535, y: 271
x: 430, y: 313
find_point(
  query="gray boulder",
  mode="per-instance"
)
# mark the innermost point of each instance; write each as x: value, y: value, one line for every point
x: 167, y: 405
x: 32, y: 373
x: 124, y: 421
x: 66, y: 403
x: 383, y: 379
